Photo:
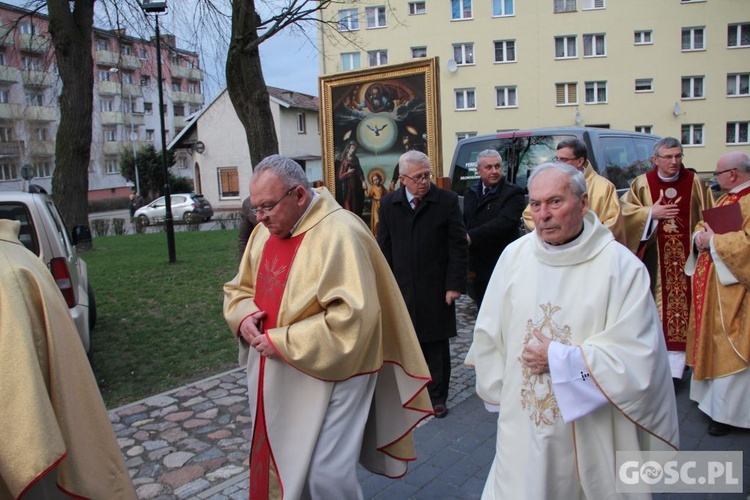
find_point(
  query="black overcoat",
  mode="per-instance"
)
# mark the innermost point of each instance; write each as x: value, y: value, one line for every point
x: 428, y: 253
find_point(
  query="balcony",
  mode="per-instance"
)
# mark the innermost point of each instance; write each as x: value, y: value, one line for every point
x: 130, y: 62
x: 187, y: 97
x: 108, y: 88
x: 135, y: 119
x: 130, y: 90
x: 195, y: 74
x: 33, y: 43
x: 42, y: 148
x: 40, y: 113
x: 37, y: 78
x: 107, y: 58
x: 9, y: 74
x: 6, y: 36
x: 10, y: 111
x: 111, y: 118
x: 178, y: 71
x: 112, y: 148
x: 179, y: 122
x: 11, y: 149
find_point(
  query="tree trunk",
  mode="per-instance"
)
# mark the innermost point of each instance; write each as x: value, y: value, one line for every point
x: 246, y: 85
x: 70, y: 25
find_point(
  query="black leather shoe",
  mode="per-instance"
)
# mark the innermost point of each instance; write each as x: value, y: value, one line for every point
x: 440, y: 411
x: 718, y: 429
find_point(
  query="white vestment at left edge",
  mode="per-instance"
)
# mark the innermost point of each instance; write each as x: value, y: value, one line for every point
x: 596, y: 296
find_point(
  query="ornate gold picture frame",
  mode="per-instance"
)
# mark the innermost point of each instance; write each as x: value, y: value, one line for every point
x: 368, y: 119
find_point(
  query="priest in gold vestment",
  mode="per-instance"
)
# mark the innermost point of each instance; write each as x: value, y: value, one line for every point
x: 335, y: 371
x: 721, y: 311
x: 570, y: 353
x: 660, y: 211
x: 603, y: 198
x: 57, y: 440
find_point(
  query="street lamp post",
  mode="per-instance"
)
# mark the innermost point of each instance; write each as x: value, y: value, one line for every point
x: 155, y: 7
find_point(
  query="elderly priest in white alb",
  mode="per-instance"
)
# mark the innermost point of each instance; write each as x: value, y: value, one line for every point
x: 568, y: 348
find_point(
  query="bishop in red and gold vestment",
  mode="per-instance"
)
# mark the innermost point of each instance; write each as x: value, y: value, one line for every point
x: 335, y: 371
x: 660, y: 211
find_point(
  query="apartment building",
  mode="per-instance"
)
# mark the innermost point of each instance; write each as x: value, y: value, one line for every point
x: 669, y: 67
x: 126, y: 103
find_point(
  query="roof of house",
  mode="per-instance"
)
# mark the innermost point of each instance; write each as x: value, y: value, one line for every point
x: 292, y: 99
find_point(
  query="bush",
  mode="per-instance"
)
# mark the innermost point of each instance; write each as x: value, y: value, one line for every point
x: 100, y: 227
x: 108, y: 204
x: 118, y: 225
x: 181, y: 185
x: 138, y: 225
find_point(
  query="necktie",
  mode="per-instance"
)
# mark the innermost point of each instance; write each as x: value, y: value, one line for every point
x: 415, y: 202
x: 486, y: 191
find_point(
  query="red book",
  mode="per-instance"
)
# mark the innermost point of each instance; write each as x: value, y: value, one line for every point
x: 724, y: 219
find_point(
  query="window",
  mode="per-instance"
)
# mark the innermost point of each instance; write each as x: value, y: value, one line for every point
x: 148, y: 108
x: 738, y: 35
x: 8, y: 171
x: 592, y: 4
x: 104, y: 75
x: 643, y: 37
x: 375, y: 17
x: 566, y: 93
x: 32, y: 63
x: 644, y: 129
x: 506, y: 97
x: 108, y: 104
x: 179, y: 110
x: 565, y: 47
x: 3, y: 62
x: 596, y: 92
x: 126, y: 49
x: 110, y: 134
x: 417, y: 8
x: 143, y: 53
x: 301, y: 123
x: 461, y: 9
x: 26, y: 27
x: 149, y: 134
x: 594, y: 45
x: 465, y: 99
x: 126, y: 105
x: 505, y: 51
x: 4, y: 96
x: 502, y: 8
x: 34, y: 98
x: 377, y: 57
x: 417, y: 52
x: 692, y: 39
x: 692, y: 87
x: 644, y: 85
x: 229, y: 182
x: 6, y: 134
x: 692, y: 134
x: 43, y: 168
x: 738, y: 84
x: 350, y: 60
x: 464, y: 135
x: 348, y: 20
x: 737, y: 133
x: 127, y: 77
x: 145, y: 80
x: 193, y: 88
x: 463, y: 53
x: 101, y: 44
x: 111, y: 165
x: 176, y: 85
x: 565, y: 6
x: 174, y: 60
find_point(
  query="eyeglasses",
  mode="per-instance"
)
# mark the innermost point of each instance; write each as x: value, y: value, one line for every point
x: 565, y: 160
x: 719, y: 172
x: 679, y: 156
x: 268, y: 207
x: 420, y: 178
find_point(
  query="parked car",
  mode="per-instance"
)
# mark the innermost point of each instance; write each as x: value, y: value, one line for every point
x: 44, y: 233
x: 186, y: 207
x: 618, y: 155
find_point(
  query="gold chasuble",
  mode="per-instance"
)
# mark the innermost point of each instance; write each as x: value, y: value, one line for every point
x: 721, y: 314
x: 334, y: 312
x: 666, y: 250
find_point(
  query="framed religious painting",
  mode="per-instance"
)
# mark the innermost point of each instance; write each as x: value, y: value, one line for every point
x: 369, y: 118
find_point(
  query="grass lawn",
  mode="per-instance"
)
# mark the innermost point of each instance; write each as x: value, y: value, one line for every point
x: 160, y: 325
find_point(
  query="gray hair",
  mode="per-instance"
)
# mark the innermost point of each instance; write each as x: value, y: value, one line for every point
x: 576, y: 181
x: 666, y: 143
x: 738, y: 160
x: 286, y: 169
x: 577, y: 145
x: 488, y: 153
x: 412, y: 156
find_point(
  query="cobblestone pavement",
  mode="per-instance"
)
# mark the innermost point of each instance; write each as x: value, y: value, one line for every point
x: 193, y: 442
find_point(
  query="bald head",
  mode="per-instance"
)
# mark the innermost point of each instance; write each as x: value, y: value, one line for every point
x: 732, y: 169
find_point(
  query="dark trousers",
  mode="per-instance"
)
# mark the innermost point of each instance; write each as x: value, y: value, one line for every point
x: 437, y: 354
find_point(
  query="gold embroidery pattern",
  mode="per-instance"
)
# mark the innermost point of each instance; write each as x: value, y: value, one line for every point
x: 537, y: 395
x: 677, y: 312
x: 270, y: 284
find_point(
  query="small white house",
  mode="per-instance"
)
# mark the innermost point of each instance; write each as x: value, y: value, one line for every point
x: 217, y: 143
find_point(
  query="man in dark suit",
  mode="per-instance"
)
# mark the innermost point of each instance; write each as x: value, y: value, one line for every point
x: 492, y: 212
x: 423, y: 237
